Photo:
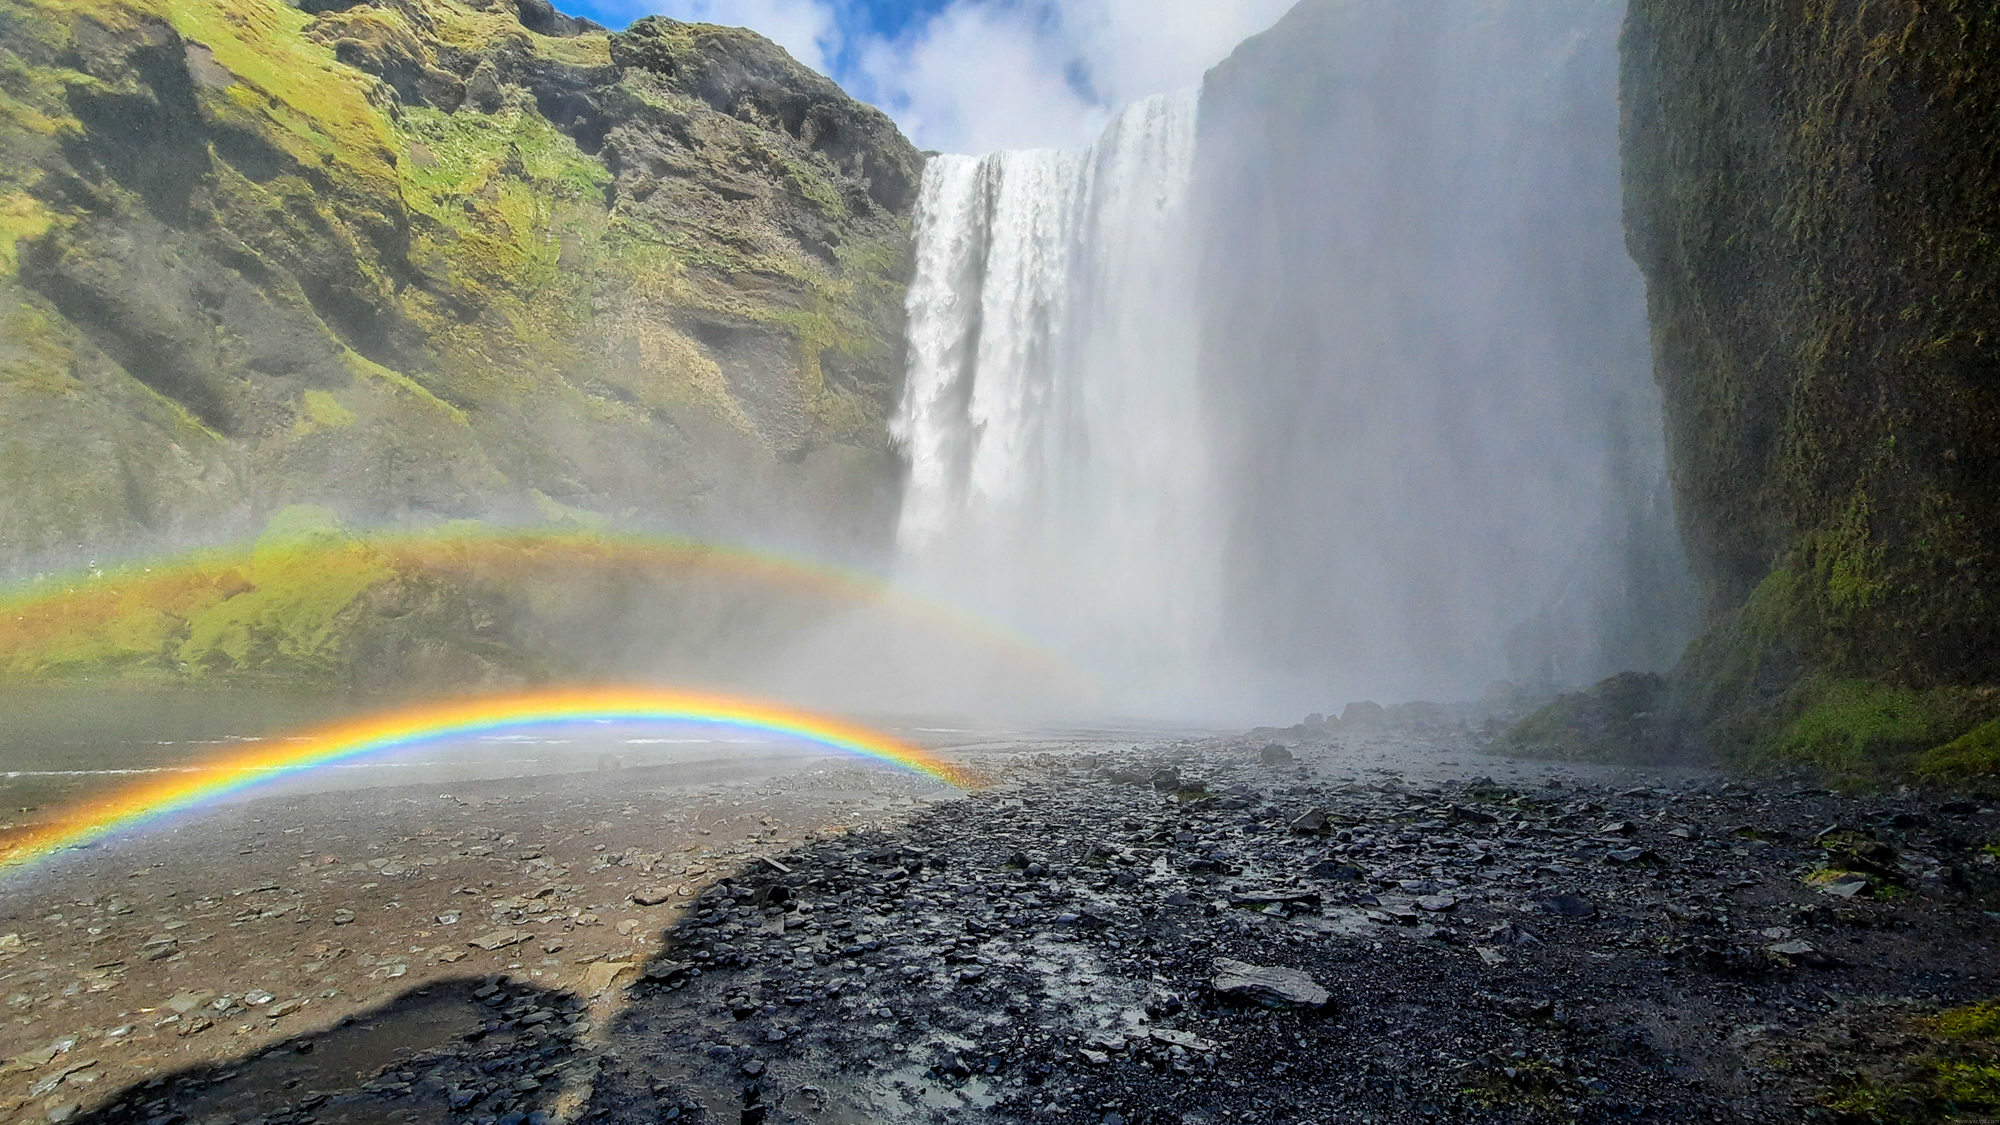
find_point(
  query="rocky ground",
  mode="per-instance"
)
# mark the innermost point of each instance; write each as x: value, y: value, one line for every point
x: 1194, y: 931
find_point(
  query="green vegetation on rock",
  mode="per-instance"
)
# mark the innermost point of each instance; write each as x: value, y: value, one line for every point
x: 1955, y: 1076
x: 1973, y: 756
x: 423, y: 259
x: 1809, y: 191
x: 314, y: 605
x: 1613, y: 721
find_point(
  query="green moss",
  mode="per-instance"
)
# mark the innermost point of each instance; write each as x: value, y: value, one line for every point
x: 1532, y: 1084
x: 1975, y: 1021
x: 298, y: 527
x: 1610, y: 722
x: 319, y: 410
x: 35, y: 351
x: 1861, y: 733
x: 365, y: 368
x: 21, y: 217
x: 1974, y: 755
x: 1762, y: 684
x: 1952, y: 1075
x: 1932, y: 1091
x: 320, y: 108
x: 294, y: 621
x: 1848, y: 561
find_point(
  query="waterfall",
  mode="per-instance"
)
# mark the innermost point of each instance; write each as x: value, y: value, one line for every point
x: 1335, y: 389
x: 1437, y: 437
x: 1050, y: 417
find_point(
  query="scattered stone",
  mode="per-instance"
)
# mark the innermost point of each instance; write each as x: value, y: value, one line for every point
x: 1839, y: 884
x: 1569, y: 906
x: 1312, y: 822
x: 1274, y: 754
x: 1280, y: 898
x: 599, y: 977
x: 1185, y: 1040
x: 1267, y: 986
x: 499, y: 939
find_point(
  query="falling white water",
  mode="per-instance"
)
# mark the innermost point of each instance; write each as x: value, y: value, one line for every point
x: 1058, y: 475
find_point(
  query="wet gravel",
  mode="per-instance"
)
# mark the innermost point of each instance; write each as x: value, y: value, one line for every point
x: 1211, y: 931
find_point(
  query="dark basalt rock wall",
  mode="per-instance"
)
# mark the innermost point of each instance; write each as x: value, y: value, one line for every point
x: 1813, y: 193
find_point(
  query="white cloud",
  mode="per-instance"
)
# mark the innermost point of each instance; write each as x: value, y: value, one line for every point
x: 976, y: 78
x: 809, y: 29
x: 986, y: 74
x: 981, y: 75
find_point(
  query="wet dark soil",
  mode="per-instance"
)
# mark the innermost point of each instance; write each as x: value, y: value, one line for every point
x: 1070, y: 945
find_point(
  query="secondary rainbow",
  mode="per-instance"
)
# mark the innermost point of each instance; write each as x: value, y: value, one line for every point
x: 133, y: 807
x: 525, y: 550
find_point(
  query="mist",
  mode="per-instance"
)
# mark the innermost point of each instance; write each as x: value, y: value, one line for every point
x: 1326, y: 381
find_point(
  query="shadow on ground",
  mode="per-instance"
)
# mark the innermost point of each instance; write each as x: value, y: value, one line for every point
x: 459, y: 1049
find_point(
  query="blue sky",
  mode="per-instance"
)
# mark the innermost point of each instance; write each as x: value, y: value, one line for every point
x: 979, y: 75
x: 887, y: 18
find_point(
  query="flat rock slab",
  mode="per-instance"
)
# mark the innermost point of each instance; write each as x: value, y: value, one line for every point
x: 1271, y: 987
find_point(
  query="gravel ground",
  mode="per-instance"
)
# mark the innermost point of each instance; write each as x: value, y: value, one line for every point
x: 1361, y: 929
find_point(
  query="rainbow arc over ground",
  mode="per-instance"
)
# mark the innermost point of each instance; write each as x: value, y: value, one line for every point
x: 136, y: 806
x: 52, y: 604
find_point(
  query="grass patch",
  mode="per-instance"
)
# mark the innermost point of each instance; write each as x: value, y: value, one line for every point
x: 1860, y: 732
x: 1974, y: 1021
x: 1955, y: 1077
x: 319, y: 410
x: 1973, y: 756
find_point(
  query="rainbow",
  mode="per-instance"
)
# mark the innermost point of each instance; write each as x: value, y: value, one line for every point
x: 136, y: 806
x: 51, y: 604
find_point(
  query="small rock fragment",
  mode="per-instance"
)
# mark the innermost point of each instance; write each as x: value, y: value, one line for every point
x: 1569, y: 906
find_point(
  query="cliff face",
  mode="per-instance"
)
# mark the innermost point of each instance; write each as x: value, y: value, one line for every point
x: 1813, y: 193
x: 426, y: 259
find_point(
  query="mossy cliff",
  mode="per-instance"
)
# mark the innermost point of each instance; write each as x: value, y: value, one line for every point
x: 314, y: 605
x: 414, y: 260
x: 1813, y: 193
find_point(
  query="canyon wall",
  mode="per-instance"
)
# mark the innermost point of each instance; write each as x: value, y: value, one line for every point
x: 1813, y: 193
